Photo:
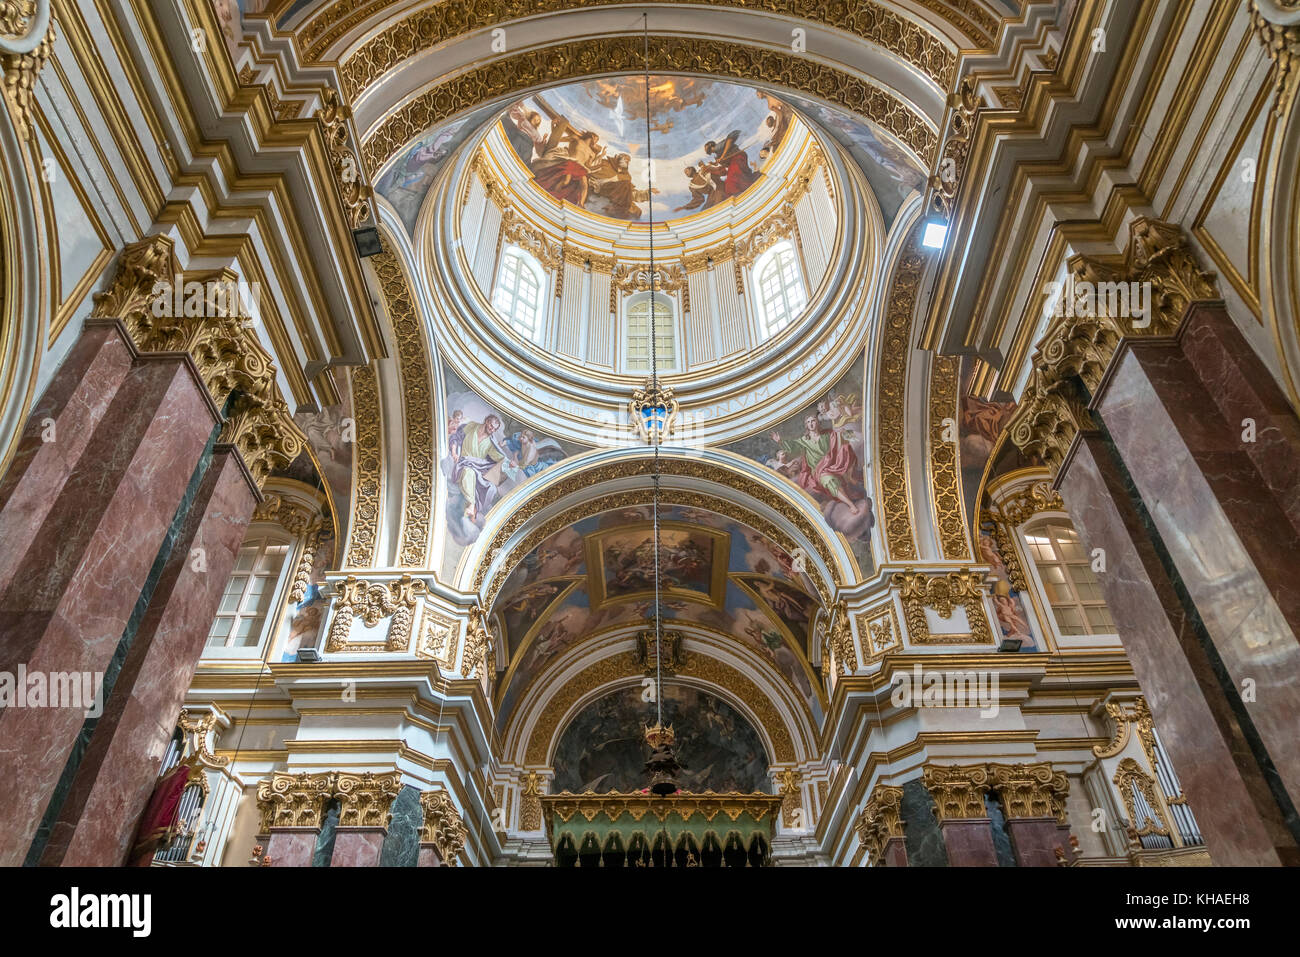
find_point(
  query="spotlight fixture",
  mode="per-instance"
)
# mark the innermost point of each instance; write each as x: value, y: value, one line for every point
x: 934, y: 233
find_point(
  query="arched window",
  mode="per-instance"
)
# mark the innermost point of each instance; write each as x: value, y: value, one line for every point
x: 781, y: 291
x: 1069, y: 584
x: 638, y: 334
x: 240, y: 624
x: 518, y: 293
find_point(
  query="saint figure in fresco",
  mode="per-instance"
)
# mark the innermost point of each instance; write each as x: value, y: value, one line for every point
x: 475, y: 452
x: 565, y: 165
x: 821, y: 462
x: 612, y: 181
x: 730, y: 164
x: 703, y: 189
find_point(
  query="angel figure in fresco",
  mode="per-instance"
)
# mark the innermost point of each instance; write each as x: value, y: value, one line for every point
x: 531, y: 455
x: 823, y: 464
x: 475, y: 453
x: 730, y: 164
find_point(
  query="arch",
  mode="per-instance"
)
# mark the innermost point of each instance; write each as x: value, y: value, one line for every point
x: 1280, y: 248
x: 708, y: 478
x: 782, y: 291
x: 636, y: 332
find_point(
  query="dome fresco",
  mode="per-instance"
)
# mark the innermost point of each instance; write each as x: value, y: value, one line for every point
x: 585, y: 143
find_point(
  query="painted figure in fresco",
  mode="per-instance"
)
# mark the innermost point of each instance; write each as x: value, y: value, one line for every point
x: 1007, y: 602
x: 730, y: 164
x: 530, y: 124
x: 530, y: 454
x: 612, y: 181
x: 564, y: 168
x: 703, y: 189
x: 822, y: 463
x: 982, y: 422
x: 475, y: 452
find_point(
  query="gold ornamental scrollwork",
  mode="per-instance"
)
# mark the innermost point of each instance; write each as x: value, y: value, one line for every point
x: 1282, y: 43
x: 891, y: 401
x: 1030, y: 790
x: 367, y: 469
x: 606, y: 55
x: 879, y: 633
x: 871, y: 21
x: 374, y: 601
x: 479, y: 660
x: 294, y: 800
x: 945, y: 478
x: 944, y: 593
x: 880, y: 822
x: 27, y: 37
x: 366, y: 799
x: 443, y: 826
x: 1083, y: 338
x: 957, y: 790
x: 946, y: 180
x: 417, y: 404
x: 334, y: 115
x: 530, y: 805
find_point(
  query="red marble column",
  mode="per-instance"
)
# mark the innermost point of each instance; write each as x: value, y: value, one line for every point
x: 894, y: 853
x: 57, y: 432
x: 429, y: 856
x: 1238, y: 815
x: 357, y: 846
x: 85, y: 566
x: 969, y: 842
x: 1034, y: 841
x: 1225, y: 510
x: 116, y: 775
x: 292, y: 846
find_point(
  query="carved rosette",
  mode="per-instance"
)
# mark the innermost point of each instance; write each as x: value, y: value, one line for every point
x: 226, y: 352
x: 880, y: 821
x: 366, y: 799
x: 1030, y: 790
x: 1080, y: 344
x: 374, y: 601
x: 443, y: 827
x: 294, y: 800
x: 962, y: 588
x: 957, y: 790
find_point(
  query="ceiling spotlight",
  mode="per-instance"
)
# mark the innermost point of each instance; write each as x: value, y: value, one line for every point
x: 934, y: 234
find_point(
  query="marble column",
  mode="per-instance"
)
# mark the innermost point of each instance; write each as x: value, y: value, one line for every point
x: 116, y: 775
x: 86, y: 557
x: 292, y: 846
x: 1213, y: 452
x: 1035, y: 840
x: 429, y: 855
x: 958, y: 793
x: 1227, y: 789
x: 1032, y: 799
x: 358, y: 846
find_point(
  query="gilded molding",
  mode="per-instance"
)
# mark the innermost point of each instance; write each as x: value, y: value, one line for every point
x: 1077, y: 349
x: 623, y: 54
x: 366, y: 799
x: 367, y: 468
x: 708, y: 805
x: 946, y: 180
x: 1125, y: 720
x: 443, y: 826
x: 891, y: 401
x: 353, y: 189
x: 957, y: 790
x: 414, y: 367
x: 791, y: 796
x: 839, y: 643
x: 945, y: 476
x: 374, y: 601
x: 294, y: 800
x: 202, y: 724
x: 1030, y: 790
x: 871, y: 21
x: 1129, y: 775
x: 880, y: 822
x: 943, y: 593
x: 479, y: 660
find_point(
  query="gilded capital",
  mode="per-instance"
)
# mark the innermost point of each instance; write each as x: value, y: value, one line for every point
x: 366, y: 799
x: 263, y: 432
x: 443, y: 827
x: 880, y: 821
x: 958, y: 791
x: 1030, y: 790
x: 145, y: 271
x: 294, y: 800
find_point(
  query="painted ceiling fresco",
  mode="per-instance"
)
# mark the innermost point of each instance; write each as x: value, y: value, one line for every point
x: 487, y: 453
x: 603, y: 747
x: 585, y: 143
x: 715, y: 572
x: 823, y: 450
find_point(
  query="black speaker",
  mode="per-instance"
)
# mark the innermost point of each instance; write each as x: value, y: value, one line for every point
x: 367, y: 240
